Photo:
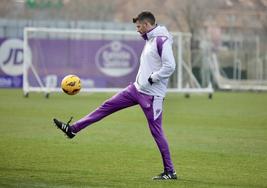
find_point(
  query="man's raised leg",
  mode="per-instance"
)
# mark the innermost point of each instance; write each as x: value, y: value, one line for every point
x: 119, y: 101
x: 123, y: 99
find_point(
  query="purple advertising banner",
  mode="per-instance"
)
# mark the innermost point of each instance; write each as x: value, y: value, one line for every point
x: 99, y: 63
x: 11, y: 62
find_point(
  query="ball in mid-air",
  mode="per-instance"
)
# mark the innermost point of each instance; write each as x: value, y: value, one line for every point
x: 71, y: 84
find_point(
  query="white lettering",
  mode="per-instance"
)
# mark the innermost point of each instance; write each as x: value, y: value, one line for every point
x: 5, y: 82
x: 116, y: 59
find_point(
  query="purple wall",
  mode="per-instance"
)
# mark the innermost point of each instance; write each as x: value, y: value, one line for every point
x: 99, y: 63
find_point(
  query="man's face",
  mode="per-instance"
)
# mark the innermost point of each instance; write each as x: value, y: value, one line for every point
x: 142, y: 26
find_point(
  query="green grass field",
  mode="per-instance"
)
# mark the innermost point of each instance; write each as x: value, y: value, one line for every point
x: 214, y: 143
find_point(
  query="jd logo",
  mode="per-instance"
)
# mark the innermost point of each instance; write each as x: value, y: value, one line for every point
x: 11, y: 57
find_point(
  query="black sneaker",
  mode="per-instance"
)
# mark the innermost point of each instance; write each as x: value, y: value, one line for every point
x: 65, y: 127
x: 166, y: 176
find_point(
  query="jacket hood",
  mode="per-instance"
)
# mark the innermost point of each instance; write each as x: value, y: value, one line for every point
x: 156, y: 32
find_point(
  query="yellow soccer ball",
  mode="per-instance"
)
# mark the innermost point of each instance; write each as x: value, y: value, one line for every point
x: 71, y: 84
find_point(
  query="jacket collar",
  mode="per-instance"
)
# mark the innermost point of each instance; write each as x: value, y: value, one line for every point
x: 148, y: 34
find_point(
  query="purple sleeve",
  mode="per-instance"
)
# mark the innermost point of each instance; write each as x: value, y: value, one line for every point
x: 160, y: 41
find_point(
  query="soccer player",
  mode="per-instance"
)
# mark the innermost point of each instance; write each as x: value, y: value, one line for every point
x: 156, y: 66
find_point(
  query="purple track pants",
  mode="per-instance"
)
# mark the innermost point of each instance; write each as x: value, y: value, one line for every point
x: 126, y: 98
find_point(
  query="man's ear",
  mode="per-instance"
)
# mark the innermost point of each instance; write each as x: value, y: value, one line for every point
x: 147, y: 24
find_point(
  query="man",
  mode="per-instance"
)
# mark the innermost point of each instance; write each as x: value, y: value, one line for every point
x: 156, y: 66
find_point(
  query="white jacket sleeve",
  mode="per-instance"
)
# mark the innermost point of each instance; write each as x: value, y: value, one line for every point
x: 168, y: 63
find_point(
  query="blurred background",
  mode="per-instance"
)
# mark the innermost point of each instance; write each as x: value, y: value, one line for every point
x: 218, y: 44
x: 231, y: 33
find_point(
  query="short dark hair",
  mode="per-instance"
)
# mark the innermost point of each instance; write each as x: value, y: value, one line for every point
x: 145, y: 15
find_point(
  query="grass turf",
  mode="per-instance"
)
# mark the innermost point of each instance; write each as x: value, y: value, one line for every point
x: 214, y: 143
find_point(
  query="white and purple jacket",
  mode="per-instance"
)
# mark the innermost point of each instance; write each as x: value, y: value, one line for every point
x: 157, y: 61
